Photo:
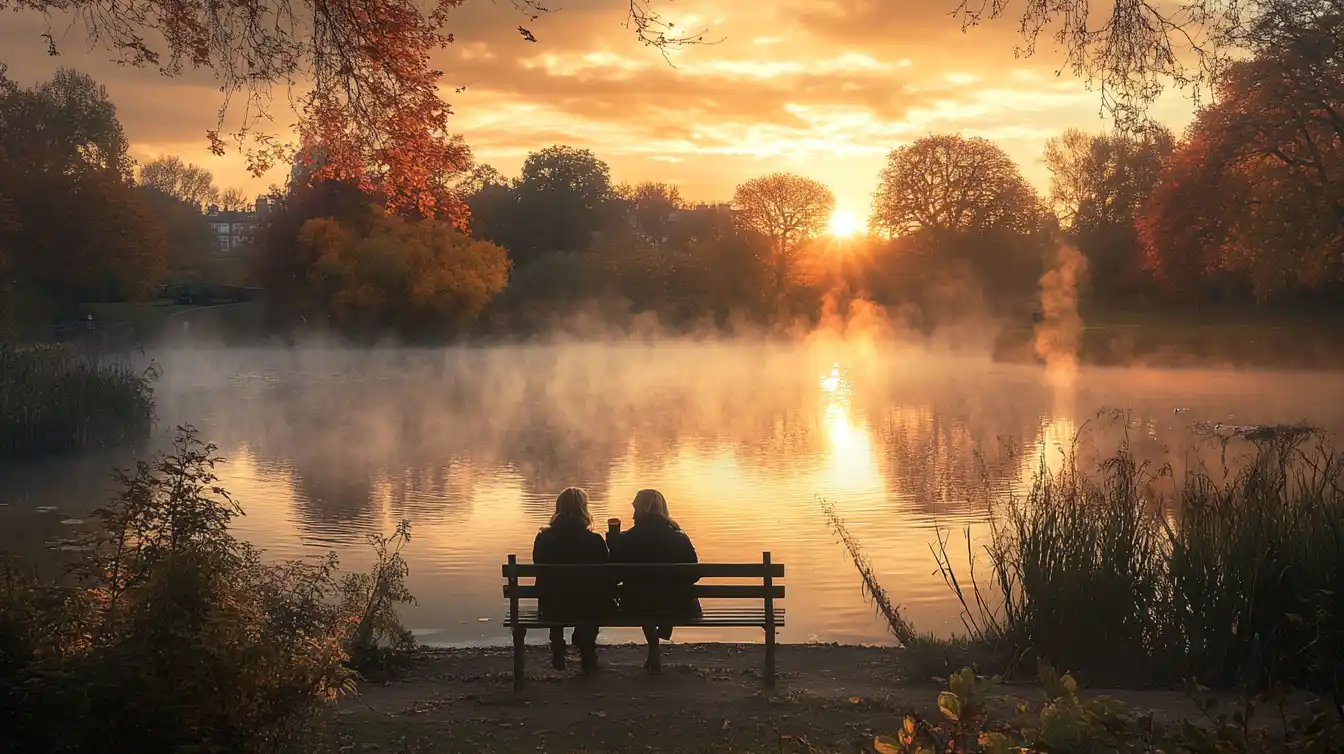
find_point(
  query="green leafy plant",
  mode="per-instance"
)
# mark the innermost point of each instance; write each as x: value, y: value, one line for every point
x: 379, y: 640
x: 977, y: 722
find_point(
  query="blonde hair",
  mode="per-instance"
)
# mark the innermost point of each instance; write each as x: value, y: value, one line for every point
x: 652, y: 503
x: 571, y: 507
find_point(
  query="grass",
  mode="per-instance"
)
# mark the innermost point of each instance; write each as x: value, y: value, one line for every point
x: 1231, y: 580
x: 53, y: 400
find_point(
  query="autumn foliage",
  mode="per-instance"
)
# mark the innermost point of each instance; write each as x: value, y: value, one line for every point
x: 74, y: 229
x: 410, y: 276
x: 1256, y: 190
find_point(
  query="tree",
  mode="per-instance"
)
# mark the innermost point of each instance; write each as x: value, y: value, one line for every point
x: 563, y: 196
x: 191, y: 244
x: 180, y: 180
x: 280, y: 262
x: 1263, y: 166
x: 787, y: 209
x: 1132, y: 51
x: 87, y: 238
x: 66, y: 125
x: 1099, y: 185
x: 652, y: 208
x: 80, y: 229
x: 234, y: 200
x: 413, y: 276
x: 1068, y: 157
x: 481, y: 176
x: 494, y: 213
x: 374, y: 99
x: 942, y: 184
x: 1257, y: 187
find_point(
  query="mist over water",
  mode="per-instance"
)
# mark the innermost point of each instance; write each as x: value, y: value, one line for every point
x: 326, y: 444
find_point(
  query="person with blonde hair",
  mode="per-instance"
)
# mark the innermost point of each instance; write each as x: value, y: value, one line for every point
x: 656, y: 538
x: 569, y: 539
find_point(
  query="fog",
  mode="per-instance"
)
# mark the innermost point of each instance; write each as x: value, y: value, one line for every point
x: 745, y: 432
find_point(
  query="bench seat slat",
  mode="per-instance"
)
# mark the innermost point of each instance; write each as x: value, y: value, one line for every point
x: 713, y: 616
x: 666, y: 570
x: 707, y: 591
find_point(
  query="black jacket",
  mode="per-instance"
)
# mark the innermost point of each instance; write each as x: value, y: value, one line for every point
x: 655, y: 540
x: 566, y: 597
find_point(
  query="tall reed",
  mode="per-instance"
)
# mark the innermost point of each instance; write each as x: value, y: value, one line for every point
x: 54, y: 400
x: 1234, y: 579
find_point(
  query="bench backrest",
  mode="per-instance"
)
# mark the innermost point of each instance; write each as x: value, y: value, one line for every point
x: 766, y: 571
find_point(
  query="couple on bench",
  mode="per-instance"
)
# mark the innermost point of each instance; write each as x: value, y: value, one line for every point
x: 654, y: 538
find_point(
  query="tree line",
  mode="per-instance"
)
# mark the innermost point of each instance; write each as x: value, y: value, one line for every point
x: 78, y: 221
x: 1244, y: 208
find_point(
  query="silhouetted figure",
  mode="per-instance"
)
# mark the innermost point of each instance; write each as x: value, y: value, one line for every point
x: 656, y: 538
x: 569, y: 539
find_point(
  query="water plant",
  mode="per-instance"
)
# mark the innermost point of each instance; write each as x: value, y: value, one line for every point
x: 55, y: 400
x: 1232, y: 579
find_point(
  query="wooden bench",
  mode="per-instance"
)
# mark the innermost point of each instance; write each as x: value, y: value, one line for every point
x: 766, y: 616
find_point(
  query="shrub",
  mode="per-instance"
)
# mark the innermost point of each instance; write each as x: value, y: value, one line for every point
x: 173, y: 635
x: 977, y: 722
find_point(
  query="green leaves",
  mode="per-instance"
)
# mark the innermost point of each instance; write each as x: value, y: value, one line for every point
x: 887, y: 746
x: 950, y: 705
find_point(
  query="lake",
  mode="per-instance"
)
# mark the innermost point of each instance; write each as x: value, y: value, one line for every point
x: 326, y: 444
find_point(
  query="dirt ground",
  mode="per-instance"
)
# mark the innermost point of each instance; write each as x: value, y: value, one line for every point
x: 709, y: 698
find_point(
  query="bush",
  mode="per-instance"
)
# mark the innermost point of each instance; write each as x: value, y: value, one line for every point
x: 977, y: 722
x: 172, y: 635
x: 1230, y: 582
x: 55, y: 401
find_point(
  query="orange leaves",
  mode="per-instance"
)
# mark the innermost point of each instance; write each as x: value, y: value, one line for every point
x: 410, y: 276
x: 1257, y: 189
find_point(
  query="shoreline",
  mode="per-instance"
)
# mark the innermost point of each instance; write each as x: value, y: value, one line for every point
x: 709, y: 697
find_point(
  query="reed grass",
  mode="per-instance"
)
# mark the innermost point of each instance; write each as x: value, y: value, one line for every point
x: 1236, y: 578
x: 54, y: 400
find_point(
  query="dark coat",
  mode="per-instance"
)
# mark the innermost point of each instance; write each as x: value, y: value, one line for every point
x: 655, y: 540
x: 567, y: 597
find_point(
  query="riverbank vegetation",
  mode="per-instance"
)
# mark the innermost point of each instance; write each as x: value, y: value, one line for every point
x: 170, y: 634
x: 1228, y: 579
x: 976, y: 716
x: 56, y: 400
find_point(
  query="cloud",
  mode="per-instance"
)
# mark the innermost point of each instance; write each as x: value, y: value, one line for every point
x: 822, y: 87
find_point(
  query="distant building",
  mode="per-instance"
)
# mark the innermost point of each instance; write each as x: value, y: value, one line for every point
x: 235, y: 228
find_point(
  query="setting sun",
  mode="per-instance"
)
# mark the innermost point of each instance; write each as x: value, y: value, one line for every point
x: 843, y: 224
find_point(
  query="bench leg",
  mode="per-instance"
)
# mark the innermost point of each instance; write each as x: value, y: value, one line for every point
x: 770, y: 655
x: 519, y: 634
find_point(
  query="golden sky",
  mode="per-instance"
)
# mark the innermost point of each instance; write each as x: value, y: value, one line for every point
x: 825, y: 88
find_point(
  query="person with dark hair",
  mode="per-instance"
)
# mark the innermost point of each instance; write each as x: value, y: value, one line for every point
x: 656, y: 538
x: 569, y: 539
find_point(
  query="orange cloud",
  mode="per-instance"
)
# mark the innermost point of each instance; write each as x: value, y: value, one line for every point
x: 821, y: 87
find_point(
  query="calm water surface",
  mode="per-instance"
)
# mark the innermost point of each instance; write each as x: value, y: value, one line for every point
x: 326, y: 445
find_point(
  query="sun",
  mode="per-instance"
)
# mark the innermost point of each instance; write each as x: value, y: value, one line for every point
x: 843, y: 224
